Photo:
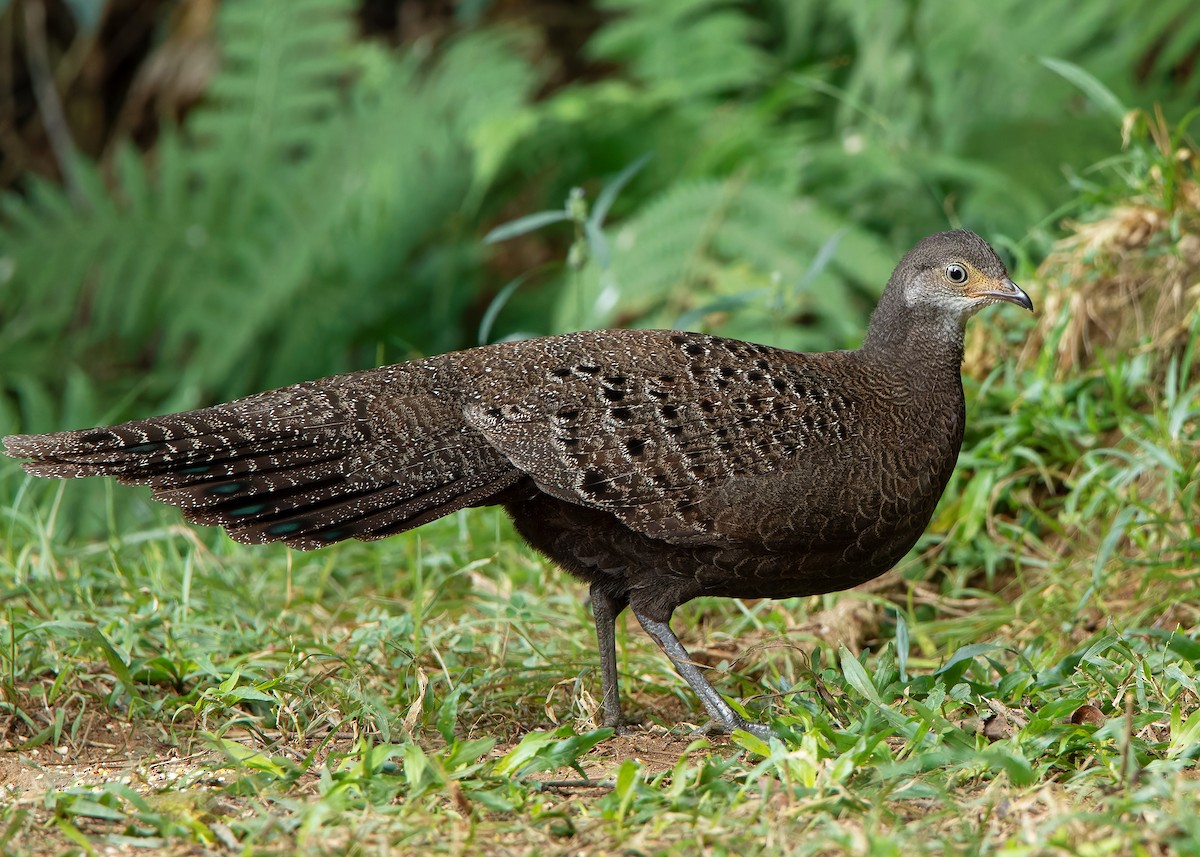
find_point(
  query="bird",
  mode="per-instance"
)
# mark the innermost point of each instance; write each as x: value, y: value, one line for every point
x: 656, y: 466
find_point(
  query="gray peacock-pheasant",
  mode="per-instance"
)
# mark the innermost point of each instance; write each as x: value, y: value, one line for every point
x: 656, y: 466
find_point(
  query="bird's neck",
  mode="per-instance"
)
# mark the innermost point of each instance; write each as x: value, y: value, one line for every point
x: 917, y: 341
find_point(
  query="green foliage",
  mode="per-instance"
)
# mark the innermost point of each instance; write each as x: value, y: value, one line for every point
x: 946, y: 110
x: 877, y: 121
x: 683, y: 48
x: 289, y: 222
x: 320, y: 211
x: 737, y: 250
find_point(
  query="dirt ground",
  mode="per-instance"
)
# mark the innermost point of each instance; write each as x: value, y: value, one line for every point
x: 161, y: 767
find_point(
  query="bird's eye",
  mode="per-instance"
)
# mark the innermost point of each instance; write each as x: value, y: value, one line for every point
x: 956, y: 274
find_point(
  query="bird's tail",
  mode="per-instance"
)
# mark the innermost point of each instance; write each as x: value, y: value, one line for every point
x: 305, y: 465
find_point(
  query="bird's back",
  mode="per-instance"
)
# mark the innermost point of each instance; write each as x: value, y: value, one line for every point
x: 716, y: 466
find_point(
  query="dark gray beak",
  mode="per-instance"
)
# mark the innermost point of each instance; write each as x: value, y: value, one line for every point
x: 1008, y: 291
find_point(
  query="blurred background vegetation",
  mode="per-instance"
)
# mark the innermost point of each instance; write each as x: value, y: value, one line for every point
x: 205, y: 199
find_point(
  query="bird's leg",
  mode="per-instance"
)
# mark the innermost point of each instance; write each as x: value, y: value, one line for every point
x: 718, y: 709
x: 605, y: 610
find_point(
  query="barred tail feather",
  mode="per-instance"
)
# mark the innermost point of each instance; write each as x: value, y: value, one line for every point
x: 135, y: 452
x: 264, y: 481
x: 369, y: 515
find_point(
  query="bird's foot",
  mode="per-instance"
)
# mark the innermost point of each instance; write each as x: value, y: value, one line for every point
x: 758, y: 730
x: 720, y: 727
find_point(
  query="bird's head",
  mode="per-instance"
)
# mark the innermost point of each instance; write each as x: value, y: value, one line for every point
x: 955, y: 274
x: 937, y: 286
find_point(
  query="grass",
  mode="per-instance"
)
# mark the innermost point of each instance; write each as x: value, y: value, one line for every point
x: 1025, y: 684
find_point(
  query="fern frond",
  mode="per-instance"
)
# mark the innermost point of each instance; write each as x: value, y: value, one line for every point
x: 284, y: 224
x: 689, y: 47
x: 282, y: 62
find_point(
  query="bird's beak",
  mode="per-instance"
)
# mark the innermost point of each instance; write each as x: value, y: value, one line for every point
x: 1007, y: 290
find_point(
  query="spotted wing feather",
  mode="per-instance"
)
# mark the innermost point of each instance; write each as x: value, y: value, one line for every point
x: 652, y: 443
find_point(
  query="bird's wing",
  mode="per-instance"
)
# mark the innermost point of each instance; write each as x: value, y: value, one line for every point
x: 655, y: 434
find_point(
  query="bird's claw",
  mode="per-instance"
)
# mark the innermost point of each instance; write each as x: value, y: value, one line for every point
x: 718, y: 727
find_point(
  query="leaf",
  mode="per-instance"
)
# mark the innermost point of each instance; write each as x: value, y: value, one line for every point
x: 1183, y: 645
x: 1099, y: 94
x: 76, y: 806
x: 521, y: 225
x: 465, y: 753
x: 250, y: 757
x: 230, y: 681
x: 626, y: 786
x: 722, y: 304
x: 1014, y: 764
x: 825, y: 255
x: 701, y: 242
x: 1184, y: 738
x: 420, y: 771
x: 247, y: 692
x: 967, y: 653
x: 902, y: 646
x: 75, y: 835
x: 856, y: 676
x: 598, y: 244
x: 1104, y: 553
x: 686, y: 48
x: 545, y: 751
x: 314, y: 171
x: 751, y: 742
x: 526, y: 750
x: 608, y: 195
x: 71, y: 629
x: 447, y: 715
x: 497, y: 800
x: 497, y: 303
